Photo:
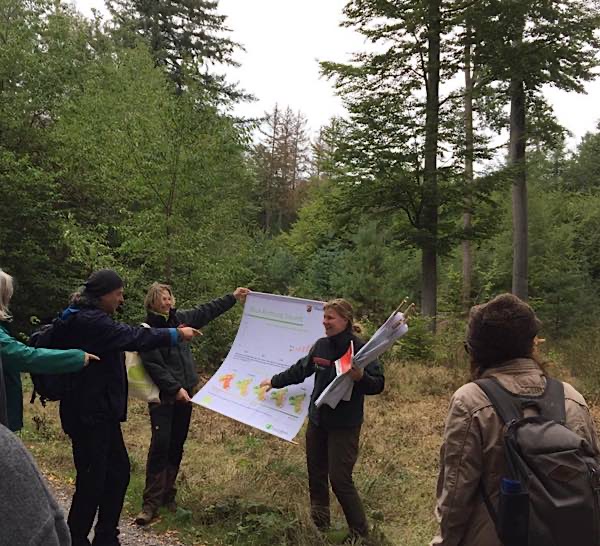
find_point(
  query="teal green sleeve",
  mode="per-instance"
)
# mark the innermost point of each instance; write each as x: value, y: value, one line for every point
x: 21, y: 357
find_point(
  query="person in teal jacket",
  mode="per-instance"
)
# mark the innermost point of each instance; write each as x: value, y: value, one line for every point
x: 18, y: 357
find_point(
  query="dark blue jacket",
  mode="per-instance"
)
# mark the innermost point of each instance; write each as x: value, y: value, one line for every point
x: 100, y: 389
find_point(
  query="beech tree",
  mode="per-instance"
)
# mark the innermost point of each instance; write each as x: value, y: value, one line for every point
x: 525, y: 46
x: 394, y: 141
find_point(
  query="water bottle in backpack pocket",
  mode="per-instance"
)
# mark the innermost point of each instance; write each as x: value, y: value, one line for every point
x: 513, y: 513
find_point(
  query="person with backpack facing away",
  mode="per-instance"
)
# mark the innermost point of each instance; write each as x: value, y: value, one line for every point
x: 507, y: 455
x: 91, y: 414
x: 19, y: 357
x: 173, y: 370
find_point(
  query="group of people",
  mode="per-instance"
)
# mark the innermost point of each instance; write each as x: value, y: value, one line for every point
x: 88, y: 342
x: 501, y: 344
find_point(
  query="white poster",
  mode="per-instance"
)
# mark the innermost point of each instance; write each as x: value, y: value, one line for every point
x: 275, y: 331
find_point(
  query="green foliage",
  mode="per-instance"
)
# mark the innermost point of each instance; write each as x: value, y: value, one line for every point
x: 184, y: 38
x: 374, y: 274
x: 31, y: 240
x: 102, y: 164
x: 315, y: 224
x: 132, y: 176
x: 418, y: 342
x: 541, y: 41
x: 579, y: 354
x: 582, y: 172
x: 562, y: 259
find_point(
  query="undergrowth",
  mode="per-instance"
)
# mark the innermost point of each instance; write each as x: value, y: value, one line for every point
x: 241, y: 487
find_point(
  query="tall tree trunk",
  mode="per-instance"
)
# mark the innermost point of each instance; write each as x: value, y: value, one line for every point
x: 467, y: 250
x: 169, y: 212
x: 518, y: 140
x: 168, y: 257
x: 270, y: 184
x: 430, y: 190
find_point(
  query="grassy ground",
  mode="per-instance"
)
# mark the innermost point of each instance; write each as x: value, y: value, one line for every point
x: 239, y: 486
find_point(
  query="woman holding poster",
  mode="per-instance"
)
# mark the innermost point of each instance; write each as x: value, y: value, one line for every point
x: 332, y: 435
x: 173, y: 370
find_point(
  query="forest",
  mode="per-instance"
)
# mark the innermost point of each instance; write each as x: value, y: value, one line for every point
x: 448, y: 182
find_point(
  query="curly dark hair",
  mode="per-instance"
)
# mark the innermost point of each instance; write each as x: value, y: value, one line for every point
x: 500, y: 330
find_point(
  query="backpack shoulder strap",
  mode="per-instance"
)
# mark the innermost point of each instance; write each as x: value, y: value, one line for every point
x: 507, y: 405
x: 552, y: 402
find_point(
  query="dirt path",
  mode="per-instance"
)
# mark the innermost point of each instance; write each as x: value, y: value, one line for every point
x: 131, y: 534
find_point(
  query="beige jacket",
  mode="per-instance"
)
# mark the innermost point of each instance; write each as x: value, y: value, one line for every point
x: 473, y: 450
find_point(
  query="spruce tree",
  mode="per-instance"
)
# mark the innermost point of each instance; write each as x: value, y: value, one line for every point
x: 185, y: 36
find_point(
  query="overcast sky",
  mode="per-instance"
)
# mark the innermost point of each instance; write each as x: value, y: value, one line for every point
x: 285, y: 39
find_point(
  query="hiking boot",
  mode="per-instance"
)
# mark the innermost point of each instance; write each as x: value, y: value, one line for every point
x: 145, y: 516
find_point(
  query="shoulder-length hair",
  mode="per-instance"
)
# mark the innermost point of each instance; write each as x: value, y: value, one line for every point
x: 154, y: 294
x: 6, y: 293
x: 344, y: 309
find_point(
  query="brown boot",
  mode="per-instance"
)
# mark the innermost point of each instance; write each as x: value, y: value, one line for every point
x: 145, y: 516
x: 152, y: 497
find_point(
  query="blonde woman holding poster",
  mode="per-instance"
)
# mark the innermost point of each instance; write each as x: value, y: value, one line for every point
x: 332, y: 436
x: 173, y: 370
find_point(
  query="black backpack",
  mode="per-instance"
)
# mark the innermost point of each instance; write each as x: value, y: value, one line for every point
x: 551, y: 496
x: 49, y: 386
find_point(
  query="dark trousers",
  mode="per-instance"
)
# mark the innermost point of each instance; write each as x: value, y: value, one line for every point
x: 330, y: 457
x: 170, y: 425
x: 102, y: 466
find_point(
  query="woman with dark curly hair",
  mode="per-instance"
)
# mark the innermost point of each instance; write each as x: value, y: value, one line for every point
x: 501, y: 340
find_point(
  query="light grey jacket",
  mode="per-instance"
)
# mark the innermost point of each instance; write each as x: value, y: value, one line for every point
x: 473, y: 450
x: 29, y: 515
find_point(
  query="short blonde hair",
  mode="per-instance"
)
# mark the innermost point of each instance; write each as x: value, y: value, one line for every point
x: 6, y: 293
x: 154, y: 293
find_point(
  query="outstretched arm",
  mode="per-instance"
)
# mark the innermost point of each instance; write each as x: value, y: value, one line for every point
x: 203, y: 314
x: 295, y: 374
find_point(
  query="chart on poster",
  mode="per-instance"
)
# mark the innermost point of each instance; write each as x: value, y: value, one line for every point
x: 275, y: 331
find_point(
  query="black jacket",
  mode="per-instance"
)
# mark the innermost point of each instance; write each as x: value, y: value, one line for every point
x: 100, y: 389
x: 321, y: 361
x: 173, y: 368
